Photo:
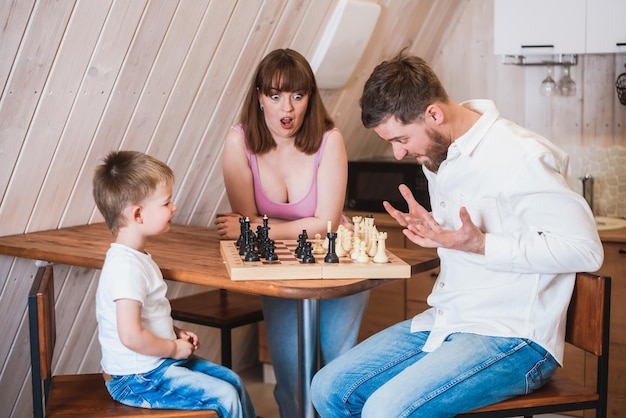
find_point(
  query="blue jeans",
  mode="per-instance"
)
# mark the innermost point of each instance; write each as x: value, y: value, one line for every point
x: 339, y: 327
x: 388, y: 375
x: 194, y: 383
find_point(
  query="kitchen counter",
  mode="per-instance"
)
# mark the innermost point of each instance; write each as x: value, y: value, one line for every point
x: 613, y: 235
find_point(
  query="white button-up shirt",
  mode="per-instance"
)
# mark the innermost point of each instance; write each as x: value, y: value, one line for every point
x: 539, y: 233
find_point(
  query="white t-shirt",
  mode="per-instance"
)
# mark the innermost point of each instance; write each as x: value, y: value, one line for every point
x: 130, y: 274
x: 538, y: 233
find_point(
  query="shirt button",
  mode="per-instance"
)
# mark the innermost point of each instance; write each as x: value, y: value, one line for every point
x: 442, y: 204
x: 442, y: 285
x: 439, y: 311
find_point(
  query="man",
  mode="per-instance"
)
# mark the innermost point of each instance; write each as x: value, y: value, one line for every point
x: 510, y: 235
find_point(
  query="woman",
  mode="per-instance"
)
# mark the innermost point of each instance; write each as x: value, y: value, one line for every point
x: 286, y: 160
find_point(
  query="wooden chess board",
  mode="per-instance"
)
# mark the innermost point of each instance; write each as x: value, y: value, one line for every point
x: 288, y: 267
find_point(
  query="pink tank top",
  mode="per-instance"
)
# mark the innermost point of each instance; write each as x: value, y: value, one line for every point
x: 303, y: 208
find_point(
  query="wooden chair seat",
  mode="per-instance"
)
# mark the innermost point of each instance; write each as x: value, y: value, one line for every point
x: 84, y: 395
x: 219, y: 309
x: 588, y: 320
x: 76, y: 395
x: 559, y: 390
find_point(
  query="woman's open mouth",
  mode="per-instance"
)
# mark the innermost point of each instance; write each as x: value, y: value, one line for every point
x: 286, y: 123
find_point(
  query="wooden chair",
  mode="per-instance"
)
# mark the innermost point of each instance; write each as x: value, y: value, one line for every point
x: 588, y: 320
x: 78, y: 395
x: 219, y: 309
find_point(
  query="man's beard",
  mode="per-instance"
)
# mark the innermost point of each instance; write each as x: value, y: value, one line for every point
x: 437, y: 151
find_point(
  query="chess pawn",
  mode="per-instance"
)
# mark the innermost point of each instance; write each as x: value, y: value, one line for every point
x: 270, y: 254
x: 362, y: 257
x: 318, y: 248
x: 381, y: 253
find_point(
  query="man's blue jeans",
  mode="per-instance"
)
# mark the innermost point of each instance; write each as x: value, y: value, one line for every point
x: 388, y: 375
x: 194, y: 383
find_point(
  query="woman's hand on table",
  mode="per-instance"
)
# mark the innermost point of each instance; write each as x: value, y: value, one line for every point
x: 228, y: 226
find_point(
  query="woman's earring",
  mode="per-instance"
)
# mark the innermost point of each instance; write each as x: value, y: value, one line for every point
x: 261, y: 107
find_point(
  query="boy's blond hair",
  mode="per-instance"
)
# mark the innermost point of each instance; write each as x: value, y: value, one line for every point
x: 126, y: 178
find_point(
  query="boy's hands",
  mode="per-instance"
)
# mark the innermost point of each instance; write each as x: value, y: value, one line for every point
x: 136, y: 338
x: 186, y: 343
x: 182, y: 349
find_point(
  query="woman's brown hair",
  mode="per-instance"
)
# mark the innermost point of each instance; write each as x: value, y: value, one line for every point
x: 284, y: 70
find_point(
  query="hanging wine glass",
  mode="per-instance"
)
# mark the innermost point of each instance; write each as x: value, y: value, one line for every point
x: 620, y: 85
x: 566, y: 86
x: 548, y: 85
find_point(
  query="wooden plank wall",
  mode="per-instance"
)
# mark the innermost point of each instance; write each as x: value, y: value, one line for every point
x: 79, y: 78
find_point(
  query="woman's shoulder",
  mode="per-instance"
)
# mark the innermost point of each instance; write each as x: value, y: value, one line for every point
x: 332, y: 136
x: 236, y: 135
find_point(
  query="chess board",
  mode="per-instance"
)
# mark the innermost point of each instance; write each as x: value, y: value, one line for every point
x: 289, y: 267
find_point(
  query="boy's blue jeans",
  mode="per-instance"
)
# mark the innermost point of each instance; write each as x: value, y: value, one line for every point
x: 194, y: 383
x: 388, y: 375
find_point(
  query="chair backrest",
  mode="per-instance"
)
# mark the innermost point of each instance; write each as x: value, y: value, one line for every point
x: 588, y: 325
x: 42, y: 326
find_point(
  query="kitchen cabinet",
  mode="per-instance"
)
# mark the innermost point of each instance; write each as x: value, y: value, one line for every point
x: 606, y: 30
x: 529, y: 27
x: 524, y: 27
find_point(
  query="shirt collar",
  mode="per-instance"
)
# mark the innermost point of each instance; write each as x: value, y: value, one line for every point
x: 467, y: 142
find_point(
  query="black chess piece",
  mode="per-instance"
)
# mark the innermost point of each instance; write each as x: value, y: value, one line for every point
x: 270, y: 254
x: 251, y: 254
x: 331, y: 257
x: 242, y: 228
x: 260, y: 242
x: 266, y: 228
x: 243, y: 247
x: 299, y: 251
x: 307, y: 254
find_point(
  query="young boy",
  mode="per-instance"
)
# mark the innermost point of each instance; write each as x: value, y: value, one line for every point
x: 148, y: 362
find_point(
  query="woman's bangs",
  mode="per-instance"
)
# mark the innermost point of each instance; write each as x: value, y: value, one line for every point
x: 289, y: 78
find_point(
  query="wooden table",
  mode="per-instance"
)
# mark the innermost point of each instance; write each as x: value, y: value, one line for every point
x: 191, y: 254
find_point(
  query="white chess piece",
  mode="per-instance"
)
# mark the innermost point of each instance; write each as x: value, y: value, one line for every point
x: 328, y: 229
x: 355, y: 248
x: 339, y: 250
x: 317, y: 245
x: 347, y: 240
x: 381, y: 253
x: 373, y: 242
x: 362, y: 257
